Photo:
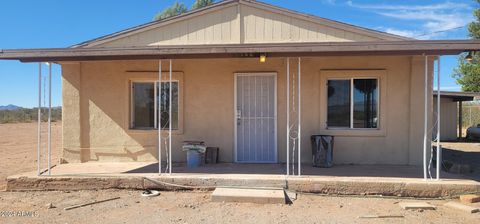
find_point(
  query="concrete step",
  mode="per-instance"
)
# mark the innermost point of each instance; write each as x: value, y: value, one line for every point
x: 462, y: 207
x: 416, y: 206
x: 249, y: 195
x: 470, y: 198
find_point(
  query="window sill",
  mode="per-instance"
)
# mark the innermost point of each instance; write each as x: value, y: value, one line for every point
x: 347, y: 132
x: 152, y: 131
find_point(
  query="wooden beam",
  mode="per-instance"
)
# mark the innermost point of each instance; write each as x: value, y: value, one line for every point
x: 460, y: 118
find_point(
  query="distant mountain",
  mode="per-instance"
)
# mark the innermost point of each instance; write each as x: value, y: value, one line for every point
x: 10, y: 107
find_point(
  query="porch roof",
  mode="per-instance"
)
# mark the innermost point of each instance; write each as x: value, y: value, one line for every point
x: 411, y: 47
x: 458, y: 96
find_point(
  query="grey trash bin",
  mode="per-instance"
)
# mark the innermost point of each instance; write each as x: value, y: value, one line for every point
x: 194, y: 159
x: 195, y: 152
x: 322, y: 150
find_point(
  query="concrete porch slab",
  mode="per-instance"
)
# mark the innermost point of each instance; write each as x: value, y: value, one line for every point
x: 340, y: 180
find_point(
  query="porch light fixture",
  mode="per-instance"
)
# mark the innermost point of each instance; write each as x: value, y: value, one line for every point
x: 263, y: 58
x: 469, y: 57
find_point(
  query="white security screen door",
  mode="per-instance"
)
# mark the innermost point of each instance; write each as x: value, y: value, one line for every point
x: 255, y: 118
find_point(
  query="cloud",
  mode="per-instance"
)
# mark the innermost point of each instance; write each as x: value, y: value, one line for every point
x: 400, y: 32
x: 417, y: 34
x: 439, y: 6
x: 433, y: 20
x: 449, y: 88
x: 330, y: 2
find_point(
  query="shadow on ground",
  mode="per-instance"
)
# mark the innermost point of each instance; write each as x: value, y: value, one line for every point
x: 453, y: 156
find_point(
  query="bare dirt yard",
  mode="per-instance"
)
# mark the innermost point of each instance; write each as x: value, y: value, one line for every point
x: 195, y: 207
x: 18, y: 147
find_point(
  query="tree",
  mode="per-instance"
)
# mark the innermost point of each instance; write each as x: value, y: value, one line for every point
x: 174, y: 10
x: 474, y: 27
x: 202, y: 3
x: 467, y: 73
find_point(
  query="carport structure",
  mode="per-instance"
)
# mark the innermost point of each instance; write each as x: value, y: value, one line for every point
x: 452, y: 104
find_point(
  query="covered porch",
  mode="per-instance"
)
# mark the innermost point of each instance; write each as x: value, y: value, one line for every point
x: 180, y: 169
x: 294, y: 61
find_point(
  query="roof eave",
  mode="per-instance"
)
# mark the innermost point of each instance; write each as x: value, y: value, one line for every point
x: 458, y: 96
x: 445, y: 47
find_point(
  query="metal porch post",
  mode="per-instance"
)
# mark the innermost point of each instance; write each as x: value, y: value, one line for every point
x: 439, y: 147
x: 170, y: 121
x: 299, y: 126
x: 288, y: 116
x: 39, y: 118
x: 425, y: 124
x: 460, y: 118
x: 159, y: 120
x: 49, y: 117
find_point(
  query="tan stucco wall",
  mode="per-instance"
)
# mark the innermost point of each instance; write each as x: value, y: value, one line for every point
x: 100, y: 91
x: 71, y: 74
x: 417, y: 102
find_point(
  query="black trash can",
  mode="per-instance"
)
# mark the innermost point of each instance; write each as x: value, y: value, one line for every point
x: 322, y: 150
x: 211, y: 155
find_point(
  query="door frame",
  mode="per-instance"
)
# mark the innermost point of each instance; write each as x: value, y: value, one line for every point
x: 275, y: 119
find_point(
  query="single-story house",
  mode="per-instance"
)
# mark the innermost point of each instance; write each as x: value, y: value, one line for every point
x: 451, y: 118
x: 240, y: 70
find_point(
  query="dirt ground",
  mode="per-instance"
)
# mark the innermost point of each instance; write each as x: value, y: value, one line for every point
x: 18, y: 147
x: 195, y: 207
x: 462, y: 146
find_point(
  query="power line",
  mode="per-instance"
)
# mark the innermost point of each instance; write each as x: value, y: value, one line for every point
x: 440, y: 31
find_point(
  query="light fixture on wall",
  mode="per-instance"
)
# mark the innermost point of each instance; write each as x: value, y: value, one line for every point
x: 263, y: 58
x: 469, y: 57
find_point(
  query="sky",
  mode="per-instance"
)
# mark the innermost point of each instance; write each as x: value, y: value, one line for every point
x: 60, y: 23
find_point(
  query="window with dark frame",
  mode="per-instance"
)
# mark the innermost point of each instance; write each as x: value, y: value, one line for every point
x: 352, y: 103
x: 145, y: 110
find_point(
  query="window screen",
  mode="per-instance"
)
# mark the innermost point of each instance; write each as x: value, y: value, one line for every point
x: 365, y: 95
x: 144, y: 105
x: 164, y: 100
x: 145, y: 110
x: 338, y: 103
